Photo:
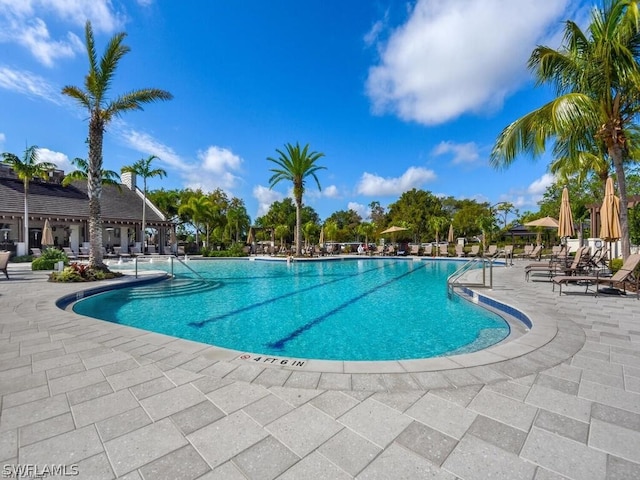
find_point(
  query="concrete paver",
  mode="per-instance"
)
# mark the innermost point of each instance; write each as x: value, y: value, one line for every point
x: 117, y: 402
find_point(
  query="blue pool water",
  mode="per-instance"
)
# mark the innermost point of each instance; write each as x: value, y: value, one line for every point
x: 374, y: 309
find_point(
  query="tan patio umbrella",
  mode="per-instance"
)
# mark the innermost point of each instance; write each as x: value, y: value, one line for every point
x: 250, y: 236
x: 610, y: 214
x: 548, y: 222
x: 450, y: 236
x: 47, y: 234
x: 394, y: 229
x: 544, y: 222
x: 565, y: 221
x: 321, y: 240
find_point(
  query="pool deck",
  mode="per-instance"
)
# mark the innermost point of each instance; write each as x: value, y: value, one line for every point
x: 561, y: 401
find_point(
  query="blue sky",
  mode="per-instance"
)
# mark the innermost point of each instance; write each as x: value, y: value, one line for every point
x: 397, y: 95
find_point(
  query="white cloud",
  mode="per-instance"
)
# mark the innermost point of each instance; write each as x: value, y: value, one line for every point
x: 360, y: 209
x: 145, y: 3
x: 214, y: 169
x: 331, y: 192
x: 452, y: 58
x: 60, y: 160
x: 27, y: 83
x: 462, y: 152
x: 540, y: 185
x: 265, y: 197
x: 374, y: 185
x: 145, y: 143
x: 3, y: 137
x: 25, y: 22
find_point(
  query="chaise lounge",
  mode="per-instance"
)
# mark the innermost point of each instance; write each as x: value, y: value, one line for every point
x: 627, y: 275
x: 4, y: 262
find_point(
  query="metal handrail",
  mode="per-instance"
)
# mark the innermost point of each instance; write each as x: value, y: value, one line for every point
x: 454, y: 280
x: 187, y: 267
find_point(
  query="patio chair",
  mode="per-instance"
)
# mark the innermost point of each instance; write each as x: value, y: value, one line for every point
x: 628, y: 275
x: 526, y: 251
x: 36, y: 252
x: 491, y: 251
x: 460, y: 251
x: 415, y: 250
x: 475, y: 249
x: 71, y: 255
x: 550, y: 268
x: 428, y: 250
x: 4, y: 262
x: 536, y: 253
x: 443, y: 250
x: 391, y: 250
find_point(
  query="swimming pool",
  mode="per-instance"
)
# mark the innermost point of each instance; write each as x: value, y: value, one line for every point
x: 373, y: 309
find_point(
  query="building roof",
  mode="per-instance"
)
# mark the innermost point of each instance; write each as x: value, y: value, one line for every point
x: 52, y: 200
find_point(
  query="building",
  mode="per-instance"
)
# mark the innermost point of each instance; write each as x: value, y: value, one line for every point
x: 67, y: 209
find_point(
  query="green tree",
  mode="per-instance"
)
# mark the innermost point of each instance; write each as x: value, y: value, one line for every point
x: 486, y: 223
x: 347, y: 221
x: 200, y: 211
x: 26, y: 169
x: 95, y: 99
x: 377, y: 213
x: 81, y: 173
x: 142, y: 168
x: 281, y: 231
x: 238, y: 221
x: 366, y: 230
x: 295, y: 165
x: 438, y: 224
x: 597, y: 77
x: 415, y: 208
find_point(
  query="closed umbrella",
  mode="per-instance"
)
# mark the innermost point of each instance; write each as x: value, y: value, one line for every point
x: 321, y: 240
x: 47, y: 234
x: 450, y: 236
x: 565, y: 221
x: 610, y: 214
x: 250, y: 236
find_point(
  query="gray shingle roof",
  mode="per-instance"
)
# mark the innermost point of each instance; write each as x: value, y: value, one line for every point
x: 55, y: 201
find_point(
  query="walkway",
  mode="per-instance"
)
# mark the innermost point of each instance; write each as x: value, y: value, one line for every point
x: 114, y: 402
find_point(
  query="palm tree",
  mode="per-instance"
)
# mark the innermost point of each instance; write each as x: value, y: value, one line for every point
x: 102, y: 110
x: 296, y: 165
x: 597, y: 79
x: 438, y: 224
x: 142, y: 168
x: 27, y: 169
x: 200, y: 210
x: 109, y: 177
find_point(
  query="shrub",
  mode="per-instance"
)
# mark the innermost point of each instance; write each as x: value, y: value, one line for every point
x: 615, y: 264
x: 235, y: 250
x: 79, y: 272
x: 50, y: 257
x: 22, y: 259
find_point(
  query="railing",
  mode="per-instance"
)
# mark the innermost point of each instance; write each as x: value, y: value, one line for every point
x: 171, y: 259
x: 455, y: 279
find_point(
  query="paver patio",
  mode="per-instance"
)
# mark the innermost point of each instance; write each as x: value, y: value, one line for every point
x: 117, y: 402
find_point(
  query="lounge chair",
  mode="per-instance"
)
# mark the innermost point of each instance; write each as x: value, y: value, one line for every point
x: 71, y: 255
x: 428, y: 250
x: 36, y: 252
x: 4, y: 262
x: 627, y: 275
x: 491, y: 251
x: 526, y: 253
x: 391, y: 250
x: 579, y: 264
x: 475, y: 249
x: 443, y: 250
x: 535, y: 254
x: 415, y: 250
x: 460, y: 251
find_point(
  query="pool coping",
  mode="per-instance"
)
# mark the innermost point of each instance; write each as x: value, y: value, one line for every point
x: 494, y: 363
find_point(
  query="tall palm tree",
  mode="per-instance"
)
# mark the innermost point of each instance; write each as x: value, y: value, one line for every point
x: 438, y: 224
x: 200, y: 210
x: 109, y: 177
x: 597, y: 78
x: 142, y: 168
x: 27, y: 169
x: 295, y: 165
x: 102, y: 110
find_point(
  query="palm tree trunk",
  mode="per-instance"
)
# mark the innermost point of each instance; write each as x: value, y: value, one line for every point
x: 616, y: 155
x: 298, y: 226
x: 144, y: 211
x: 26, y: 216
x: 94, y: 186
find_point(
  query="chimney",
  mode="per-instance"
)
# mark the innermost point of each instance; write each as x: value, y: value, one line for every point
x: 128, y: 179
